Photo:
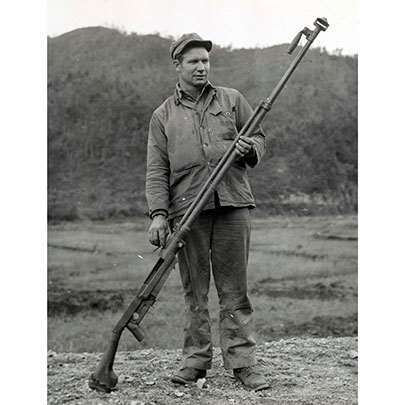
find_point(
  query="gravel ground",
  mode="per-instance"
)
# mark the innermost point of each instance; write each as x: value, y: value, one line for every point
x: 300, y: 371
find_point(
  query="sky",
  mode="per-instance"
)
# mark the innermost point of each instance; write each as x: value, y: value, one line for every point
x: 236, y: 23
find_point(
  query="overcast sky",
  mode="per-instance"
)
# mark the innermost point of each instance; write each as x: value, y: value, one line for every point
x: 239, y: 23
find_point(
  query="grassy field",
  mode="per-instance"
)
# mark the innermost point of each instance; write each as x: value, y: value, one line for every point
x: 302, y: 282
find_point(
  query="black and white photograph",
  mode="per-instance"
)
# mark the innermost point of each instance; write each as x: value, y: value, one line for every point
x: 202, y: 201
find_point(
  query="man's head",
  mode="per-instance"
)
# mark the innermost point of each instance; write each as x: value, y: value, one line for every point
x: 190, y: 54
x: 187, y: 41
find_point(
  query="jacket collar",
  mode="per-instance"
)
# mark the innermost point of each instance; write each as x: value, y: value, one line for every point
x: 180, y: 94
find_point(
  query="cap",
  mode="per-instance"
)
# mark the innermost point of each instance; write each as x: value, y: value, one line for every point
x: 187, y: 39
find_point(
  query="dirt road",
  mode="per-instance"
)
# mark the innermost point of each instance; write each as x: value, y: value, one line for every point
x: 301, y: 371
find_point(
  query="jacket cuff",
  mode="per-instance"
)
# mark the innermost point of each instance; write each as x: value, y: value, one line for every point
x: 158, y: 211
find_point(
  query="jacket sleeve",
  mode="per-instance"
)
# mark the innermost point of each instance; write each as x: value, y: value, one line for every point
x: 244, y: 111
x: 157, y: 167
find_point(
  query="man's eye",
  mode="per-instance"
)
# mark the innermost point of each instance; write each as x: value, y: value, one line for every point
x: 194, y: 62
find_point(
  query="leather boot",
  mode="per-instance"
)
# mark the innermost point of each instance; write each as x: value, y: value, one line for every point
x: 188, y: 375
x: 251, y: 378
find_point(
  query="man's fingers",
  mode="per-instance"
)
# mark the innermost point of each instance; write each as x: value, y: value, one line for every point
x: 158, y: 231
x: 162, y: 237
x: 246, y: 141
x: 239, y: 150
x: 157, y: 237
x: 242, y: 148
x: 154, y: 237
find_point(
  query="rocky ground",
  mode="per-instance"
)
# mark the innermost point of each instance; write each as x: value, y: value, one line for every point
x: 301, y: 371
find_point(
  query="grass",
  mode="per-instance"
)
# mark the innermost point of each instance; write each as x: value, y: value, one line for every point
x: 300, y: 285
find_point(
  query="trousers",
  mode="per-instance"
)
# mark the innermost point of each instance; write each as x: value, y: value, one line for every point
x: 217, y: 242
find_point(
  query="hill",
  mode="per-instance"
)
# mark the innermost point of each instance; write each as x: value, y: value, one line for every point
x: 103, y: 86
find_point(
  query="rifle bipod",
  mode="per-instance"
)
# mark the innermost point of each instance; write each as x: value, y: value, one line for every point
x: 104, y: 379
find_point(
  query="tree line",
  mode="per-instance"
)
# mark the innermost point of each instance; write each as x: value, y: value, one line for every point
x: 103, y: 86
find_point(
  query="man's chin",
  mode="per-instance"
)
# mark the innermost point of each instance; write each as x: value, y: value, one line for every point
x: 200, y: 82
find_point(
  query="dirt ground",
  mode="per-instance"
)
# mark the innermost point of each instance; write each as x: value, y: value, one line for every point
x: 300, y: 371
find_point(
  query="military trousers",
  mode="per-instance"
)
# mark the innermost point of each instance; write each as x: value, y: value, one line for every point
x: 218, y: 242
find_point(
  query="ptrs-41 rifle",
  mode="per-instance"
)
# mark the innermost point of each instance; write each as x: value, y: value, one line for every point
x: 104, y: 379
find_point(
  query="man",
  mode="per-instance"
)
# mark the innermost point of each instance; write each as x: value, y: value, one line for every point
x: 188, y: 135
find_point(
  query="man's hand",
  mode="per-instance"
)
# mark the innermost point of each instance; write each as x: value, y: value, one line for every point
x: 244, y: 146
x: 158, y: 230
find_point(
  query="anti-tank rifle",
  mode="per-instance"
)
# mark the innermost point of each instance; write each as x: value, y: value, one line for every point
x: 104, y: 379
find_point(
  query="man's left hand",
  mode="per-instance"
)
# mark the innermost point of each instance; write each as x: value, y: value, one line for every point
x: 244, y: 146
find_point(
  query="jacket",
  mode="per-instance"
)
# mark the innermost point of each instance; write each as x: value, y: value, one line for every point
x: 185, y: 142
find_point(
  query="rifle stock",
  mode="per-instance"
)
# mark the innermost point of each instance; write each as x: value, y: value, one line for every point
x: 104, y: 379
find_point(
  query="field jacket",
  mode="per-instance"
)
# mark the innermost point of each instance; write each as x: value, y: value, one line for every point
x: 186, y: 140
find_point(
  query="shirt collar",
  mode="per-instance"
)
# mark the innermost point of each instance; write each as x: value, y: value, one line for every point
x: 179, y: 93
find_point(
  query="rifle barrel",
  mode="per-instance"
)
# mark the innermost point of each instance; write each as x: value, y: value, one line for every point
x: 254, y: 121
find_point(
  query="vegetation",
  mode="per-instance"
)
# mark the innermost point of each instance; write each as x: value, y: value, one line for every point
x: 302, y: 282
x: 103, y: 86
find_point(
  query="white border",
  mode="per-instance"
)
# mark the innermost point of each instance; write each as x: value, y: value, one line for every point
x: 23, y: 202
x: 381, y: 205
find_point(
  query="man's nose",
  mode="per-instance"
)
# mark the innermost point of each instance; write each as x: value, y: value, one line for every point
x: 200, y: 66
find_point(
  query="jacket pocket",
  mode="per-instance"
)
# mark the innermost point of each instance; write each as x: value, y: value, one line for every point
x: 184, y: 184
x: 179, y: 176
x: 223, y: 124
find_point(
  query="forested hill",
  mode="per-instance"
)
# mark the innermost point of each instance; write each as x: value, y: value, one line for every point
x: 103, y: 86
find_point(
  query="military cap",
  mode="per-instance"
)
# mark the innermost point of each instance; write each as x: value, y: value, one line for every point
x: 188, y: 39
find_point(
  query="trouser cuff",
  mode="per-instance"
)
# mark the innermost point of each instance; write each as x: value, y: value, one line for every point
x: 199, y: 364
x: 239, y: 363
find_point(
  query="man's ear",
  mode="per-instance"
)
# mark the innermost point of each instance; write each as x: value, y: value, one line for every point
x: 177, y: 64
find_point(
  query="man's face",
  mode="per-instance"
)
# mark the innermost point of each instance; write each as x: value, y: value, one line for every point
x: 194, y: 68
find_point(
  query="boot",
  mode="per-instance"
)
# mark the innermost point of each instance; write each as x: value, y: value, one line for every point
x: 251, y: 378
x: 188, y: 375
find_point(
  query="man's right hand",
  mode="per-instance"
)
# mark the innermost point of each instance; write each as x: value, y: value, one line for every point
x: 158, y: 230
